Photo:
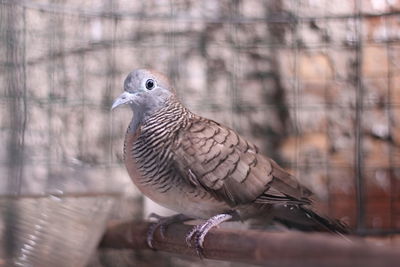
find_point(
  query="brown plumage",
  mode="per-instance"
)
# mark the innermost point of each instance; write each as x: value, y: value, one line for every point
x: 203, y: 169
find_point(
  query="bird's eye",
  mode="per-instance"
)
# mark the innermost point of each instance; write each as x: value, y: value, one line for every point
x: 150, y: 84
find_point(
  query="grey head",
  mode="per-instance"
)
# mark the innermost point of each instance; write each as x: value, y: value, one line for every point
x: 145, y: 92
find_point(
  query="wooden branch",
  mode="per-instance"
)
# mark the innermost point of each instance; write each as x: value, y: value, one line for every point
x: 258, y: 247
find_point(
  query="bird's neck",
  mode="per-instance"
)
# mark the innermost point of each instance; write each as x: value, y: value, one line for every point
x: 172, y: 112
x: 135, y: 122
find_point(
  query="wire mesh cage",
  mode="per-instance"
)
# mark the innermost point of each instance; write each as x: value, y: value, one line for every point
x: 315, y: 84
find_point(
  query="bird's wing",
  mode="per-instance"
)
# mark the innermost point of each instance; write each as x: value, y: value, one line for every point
x: 216, y: 158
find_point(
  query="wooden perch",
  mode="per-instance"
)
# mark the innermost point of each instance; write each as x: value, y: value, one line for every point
x: 257, y: 247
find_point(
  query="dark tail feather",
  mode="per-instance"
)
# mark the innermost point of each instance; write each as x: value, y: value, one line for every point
x: 305, y: 219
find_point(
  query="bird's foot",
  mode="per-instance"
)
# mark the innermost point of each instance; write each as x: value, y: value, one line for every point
x: 162, y: 223
x: 198, y: 233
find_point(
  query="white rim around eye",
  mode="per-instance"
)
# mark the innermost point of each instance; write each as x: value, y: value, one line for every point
x: 150, y: 84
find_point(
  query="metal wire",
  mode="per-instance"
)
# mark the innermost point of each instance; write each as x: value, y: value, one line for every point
x: 175, y: 39
x: 359, y: 172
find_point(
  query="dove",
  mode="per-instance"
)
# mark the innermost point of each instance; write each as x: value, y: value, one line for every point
x: 204, y: 170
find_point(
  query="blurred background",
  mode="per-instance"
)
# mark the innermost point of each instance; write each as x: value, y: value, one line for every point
x: 315, y: 84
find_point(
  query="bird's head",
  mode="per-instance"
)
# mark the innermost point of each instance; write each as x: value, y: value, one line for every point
x: 145, y: 92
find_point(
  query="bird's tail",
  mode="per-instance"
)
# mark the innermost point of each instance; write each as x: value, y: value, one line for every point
x: 305, y: 219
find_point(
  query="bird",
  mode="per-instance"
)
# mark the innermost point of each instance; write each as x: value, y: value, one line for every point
x: 204, y: 170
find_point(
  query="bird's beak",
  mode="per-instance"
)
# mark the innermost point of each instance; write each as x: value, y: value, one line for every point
x: 124, y: 98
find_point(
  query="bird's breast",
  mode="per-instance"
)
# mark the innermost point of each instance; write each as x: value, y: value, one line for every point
x: 153, y: 173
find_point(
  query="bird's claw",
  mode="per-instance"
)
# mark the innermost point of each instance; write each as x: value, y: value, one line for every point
x: 150, y: 234
x: 196, y: 235
x: 199, y: 232
x: 162, y: 223
x: 190, y: 235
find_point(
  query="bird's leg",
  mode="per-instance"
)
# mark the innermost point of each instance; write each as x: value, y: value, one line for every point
x: 198, y: 233
x: 162, y: 223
